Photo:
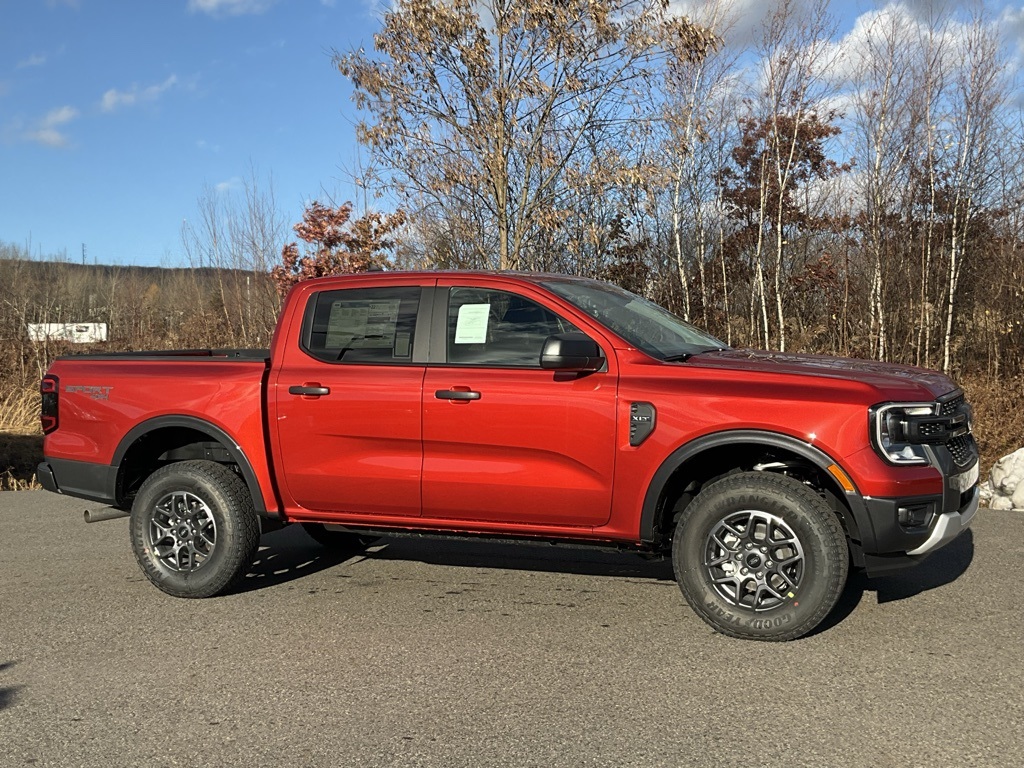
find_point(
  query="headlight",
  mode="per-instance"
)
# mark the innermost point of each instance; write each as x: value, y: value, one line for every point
x: 895, y: 431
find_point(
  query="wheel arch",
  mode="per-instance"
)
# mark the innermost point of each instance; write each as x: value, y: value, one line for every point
x: 721, y: 453
x: 166, y: 439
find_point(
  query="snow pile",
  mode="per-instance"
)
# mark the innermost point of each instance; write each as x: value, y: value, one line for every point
x: 1005, y: 487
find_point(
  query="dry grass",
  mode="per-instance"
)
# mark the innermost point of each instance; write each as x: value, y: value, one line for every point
x: 998, y: 416
x: 19, y: 409
x: 21, y: 444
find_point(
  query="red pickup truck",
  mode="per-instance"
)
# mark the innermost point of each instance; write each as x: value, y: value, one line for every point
x: 530, y: 407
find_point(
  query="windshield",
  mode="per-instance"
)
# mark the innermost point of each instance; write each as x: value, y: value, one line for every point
x: 642, y: 323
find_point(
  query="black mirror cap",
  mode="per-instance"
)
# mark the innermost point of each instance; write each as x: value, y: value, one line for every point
x: 571, y: 352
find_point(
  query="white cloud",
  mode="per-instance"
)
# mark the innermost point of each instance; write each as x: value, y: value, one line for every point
x: 48, y: 130
x: 227, y: 186
x: 229, y: 7
x: 114, y: 98
x: 35, y: 60
x: 739, y: 23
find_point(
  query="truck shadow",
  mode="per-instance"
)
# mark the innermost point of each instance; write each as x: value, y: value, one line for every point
x: 290, y: 554
x: 548, y: 558
x: 287, y: 555
x: 8, y: 695
x: 939, y: 569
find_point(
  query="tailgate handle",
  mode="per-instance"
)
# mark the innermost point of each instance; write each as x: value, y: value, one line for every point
x: 456, y: 394
x: 309, y: 390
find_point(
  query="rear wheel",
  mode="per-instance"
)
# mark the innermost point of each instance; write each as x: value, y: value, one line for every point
x: 760, y: 556
x: 193, y: 529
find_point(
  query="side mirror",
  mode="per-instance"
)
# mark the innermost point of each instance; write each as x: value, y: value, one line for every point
x: 571, y: 352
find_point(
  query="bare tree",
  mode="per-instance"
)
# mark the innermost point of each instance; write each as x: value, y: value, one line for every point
x: 884, y: 136
x: 979, y: 89
x: 511, y: 106
x: 237, y: 240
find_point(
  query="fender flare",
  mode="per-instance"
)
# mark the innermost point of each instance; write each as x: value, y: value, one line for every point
x: 857, y: 520
x: 199, y: 425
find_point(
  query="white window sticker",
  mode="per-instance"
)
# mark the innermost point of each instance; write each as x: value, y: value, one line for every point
x: 471, y: 327
x: 362, y: 324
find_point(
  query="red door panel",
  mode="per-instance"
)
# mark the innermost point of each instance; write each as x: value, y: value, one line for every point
x: 357, y: 449
x: 514, y: 444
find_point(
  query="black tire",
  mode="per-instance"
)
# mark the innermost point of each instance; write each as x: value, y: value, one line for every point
x: 760, y: 556
x: 193, y: 529
x: 338, y: 541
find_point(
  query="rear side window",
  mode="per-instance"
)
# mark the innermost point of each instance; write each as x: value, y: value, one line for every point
x: 362, y: 325
x: 500, y: 329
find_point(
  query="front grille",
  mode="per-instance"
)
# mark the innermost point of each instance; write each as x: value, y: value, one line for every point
x: 951, y: 406
x: 961, y: 449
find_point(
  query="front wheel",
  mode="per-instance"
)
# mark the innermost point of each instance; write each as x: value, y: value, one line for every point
x: 760, y: 556
x: 193, y: 529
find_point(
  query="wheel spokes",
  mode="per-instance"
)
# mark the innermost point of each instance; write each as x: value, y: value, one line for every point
x: 753, y: 559
x: 182, y: 531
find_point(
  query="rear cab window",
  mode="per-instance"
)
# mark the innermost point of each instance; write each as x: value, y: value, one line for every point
x: 362, y: 325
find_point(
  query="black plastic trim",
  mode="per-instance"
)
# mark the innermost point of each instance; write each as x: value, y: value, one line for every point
x: 194, y: 355
x: 890, y: 536
x: 642, y: 420
x: 456, y: 394
x: 84, y: 479
x: 44, y: 476
x: 422, y: 341
x: 216, y: 433
x: 684, y: 453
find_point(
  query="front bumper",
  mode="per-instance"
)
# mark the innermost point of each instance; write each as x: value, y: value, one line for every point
x: 948, y: 526
x: 889, y: 543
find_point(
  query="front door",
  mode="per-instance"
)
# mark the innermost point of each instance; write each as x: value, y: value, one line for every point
x: 506, y: 441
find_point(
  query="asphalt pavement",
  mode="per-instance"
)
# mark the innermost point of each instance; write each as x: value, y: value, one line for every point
x: 420, y: 652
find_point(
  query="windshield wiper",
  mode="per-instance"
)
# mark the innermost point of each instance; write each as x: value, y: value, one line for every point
x: 682, y: 357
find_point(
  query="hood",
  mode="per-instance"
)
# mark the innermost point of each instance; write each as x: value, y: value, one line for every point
x: 894, y: 382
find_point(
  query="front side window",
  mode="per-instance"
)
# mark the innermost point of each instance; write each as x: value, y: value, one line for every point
x: 362, y: 325
x: 640, y: 322
x: 497, y: 328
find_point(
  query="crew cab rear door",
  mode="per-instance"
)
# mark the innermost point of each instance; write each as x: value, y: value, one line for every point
x: 506, y: 441
x: 348, y: 396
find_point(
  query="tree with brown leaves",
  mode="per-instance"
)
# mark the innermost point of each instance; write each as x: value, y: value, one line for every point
x: 335, y: 244
x: 526, y: 110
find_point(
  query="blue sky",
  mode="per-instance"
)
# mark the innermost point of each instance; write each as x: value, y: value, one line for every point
x: 114, y: 115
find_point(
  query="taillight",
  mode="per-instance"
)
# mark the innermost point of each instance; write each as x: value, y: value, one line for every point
x: 49, y: 388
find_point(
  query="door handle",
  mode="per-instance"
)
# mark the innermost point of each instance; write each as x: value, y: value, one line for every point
x: 309, y: 390
x: 456, y: 394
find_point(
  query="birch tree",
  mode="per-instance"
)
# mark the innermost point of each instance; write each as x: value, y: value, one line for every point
x: 884, y: 135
